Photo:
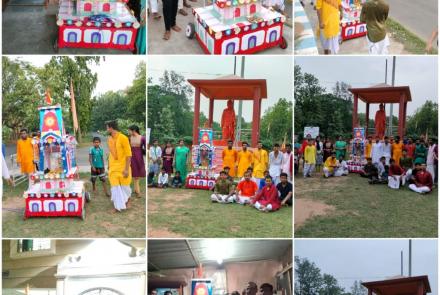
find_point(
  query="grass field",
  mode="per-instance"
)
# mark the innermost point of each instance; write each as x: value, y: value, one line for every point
x: 191, y: 214
x: 100, y: 222
x: 362, y: 210
x: 411, y: 42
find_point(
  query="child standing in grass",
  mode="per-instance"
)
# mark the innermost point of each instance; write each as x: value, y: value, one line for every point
x: 96, y: 160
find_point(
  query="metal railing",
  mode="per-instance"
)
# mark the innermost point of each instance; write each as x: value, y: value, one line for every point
x: 15, y: 172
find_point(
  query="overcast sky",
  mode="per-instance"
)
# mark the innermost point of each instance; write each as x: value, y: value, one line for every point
x: 370, y: 259
x: 417, y: 72
x: 278, y: 70
x: 114, y: 73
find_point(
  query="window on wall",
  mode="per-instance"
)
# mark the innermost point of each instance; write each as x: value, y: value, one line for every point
x: 25, y: 248
x: 32, y: 245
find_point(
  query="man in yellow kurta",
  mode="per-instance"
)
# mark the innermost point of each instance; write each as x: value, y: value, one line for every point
x: 330, y: 165
x: 244, y: 160
x: 396, y: 149
x: 261, y: 160
x: 329, y: 17
x: 368, y: 147
x: 119, y: 172
x: 229, y: 157
x: 25, y: 154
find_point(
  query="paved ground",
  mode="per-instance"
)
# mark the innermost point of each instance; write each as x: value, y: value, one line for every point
x: 33, y: 30
x: 420, y: 17
x: 82, y: 154
x: 353, y: 46
x: 180, y: 44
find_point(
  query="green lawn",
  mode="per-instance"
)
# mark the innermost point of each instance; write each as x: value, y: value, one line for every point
x: 100, y: 222
x: 366, y: 211
x: 191, y: 214
x: 411, y: 42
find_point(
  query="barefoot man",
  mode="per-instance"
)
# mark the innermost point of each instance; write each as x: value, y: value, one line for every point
x: 119, y: 166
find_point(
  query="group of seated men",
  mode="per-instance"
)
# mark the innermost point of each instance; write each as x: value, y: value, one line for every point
x: 334, y: 167
x: 262, y: 194
x: 399, y: 174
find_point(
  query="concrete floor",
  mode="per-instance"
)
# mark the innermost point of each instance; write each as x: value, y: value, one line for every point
x: 180, y: 44
x: 353, y: 46
x: 33, y: 30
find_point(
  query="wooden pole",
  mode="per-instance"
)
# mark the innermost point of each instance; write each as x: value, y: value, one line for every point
x: 196, y: 116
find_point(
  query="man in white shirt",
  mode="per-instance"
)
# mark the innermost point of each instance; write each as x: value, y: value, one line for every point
x: 386, y: 150
x: 155, y: 157
x: 376, y: 151
x: 287, y: 158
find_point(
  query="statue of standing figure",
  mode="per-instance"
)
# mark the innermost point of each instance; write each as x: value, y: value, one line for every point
x: 228, y: 122
x: 380, y: 121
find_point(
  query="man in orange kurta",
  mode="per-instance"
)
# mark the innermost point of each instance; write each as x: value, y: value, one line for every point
x: 228, y: 122
x: 229, y: 157
x: 25, y: 154
x: 380, y: 121
x: 245, y: 160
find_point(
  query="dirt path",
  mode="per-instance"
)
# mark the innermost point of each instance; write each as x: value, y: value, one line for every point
x: 306, y: 209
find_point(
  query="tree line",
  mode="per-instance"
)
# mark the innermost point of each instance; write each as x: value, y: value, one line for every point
x: 309, y: 280
x: 331, y: 111
x: 170, y: 113
x: 24, y: 87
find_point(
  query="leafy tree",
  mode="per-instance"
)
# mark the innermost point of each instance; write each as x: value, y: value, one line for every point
x: 136, y: 95
x: 20, y: 97
x: 108, y: 106
x: 358, y: 289
x: 276, y: 123
x: 424, y: 120
x: 77, y: 70
x: 330, y: 286
x: 308, y: 279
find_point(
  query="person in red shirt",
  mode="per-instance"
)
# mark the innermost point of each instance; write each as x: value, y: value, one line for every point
x: 396, y: 175
x: 410, y: 147
x: 246, y: 189
x: 422, y: 179
x: 267, y: 199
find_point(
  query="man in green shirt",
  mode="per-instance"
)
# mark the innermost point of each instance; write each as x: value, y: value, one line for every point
x: 223, y: 190
x: 375, y: 14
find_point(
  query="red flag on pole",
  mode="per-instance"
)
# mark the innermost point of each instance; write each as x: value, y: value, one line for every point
x: 48, y: 97
x: 73, y: 107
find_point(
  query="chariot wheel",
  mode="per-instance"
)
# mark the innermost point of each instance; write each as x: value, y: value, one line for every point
x: 283, y: 43
x: 87, y: 197
x: 190, y: 30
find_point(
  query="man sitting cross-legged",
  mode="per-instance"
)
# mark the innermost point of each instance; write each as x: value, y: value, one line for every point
x: 370, y: 170
x: 267, y: 199
x: 223, y: 190
x: 246, y: 189
x: 421, y: 179
x: 396, y: 175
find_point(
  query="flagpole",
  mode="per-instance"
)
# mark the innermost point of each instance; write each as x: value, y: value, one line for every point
x: 76, y: 128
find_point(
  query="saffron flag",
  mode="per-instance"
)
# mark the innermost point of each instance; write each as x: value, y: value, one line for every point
x: 48, y: 97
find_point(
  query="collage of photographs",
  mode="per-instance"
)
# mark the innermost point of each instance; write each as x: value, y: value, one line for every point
x: 219, y: 147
